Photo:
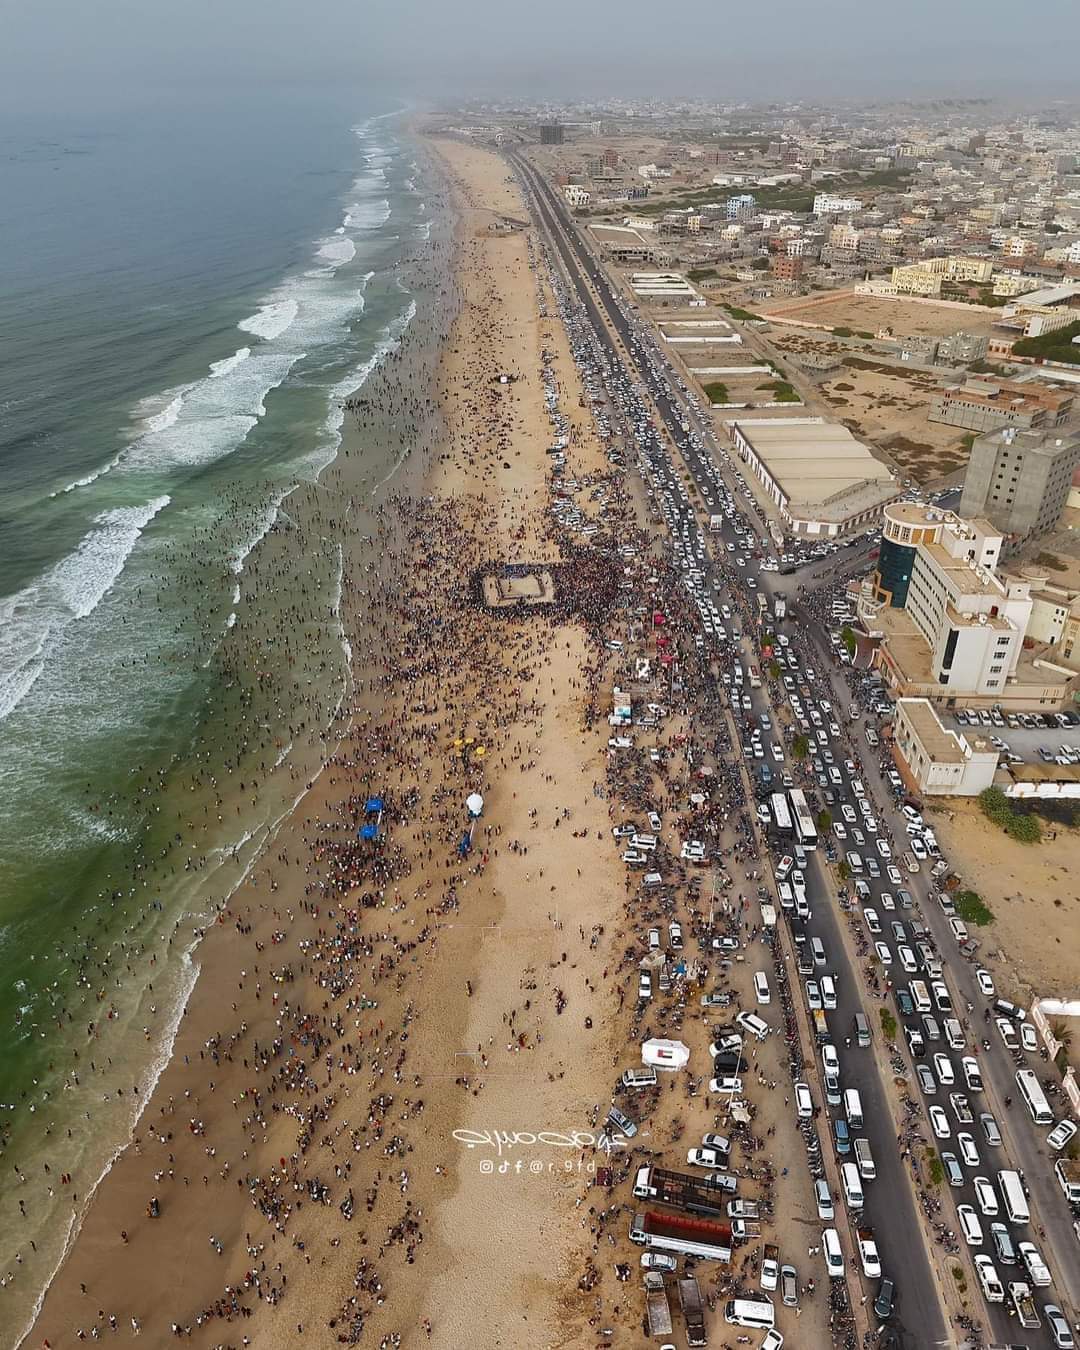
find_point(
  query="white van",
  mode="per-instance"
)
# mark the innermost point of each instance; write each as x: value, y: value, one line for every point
x: 750, y: 1312
x: 852, y: 1184
x: 817, y: 949
x: 834, y: 1255
x: 864, y: 1159
x: 639, y: 1077
x: 753, y: 1024
x: 761, y: 987
x: 853, y: 1109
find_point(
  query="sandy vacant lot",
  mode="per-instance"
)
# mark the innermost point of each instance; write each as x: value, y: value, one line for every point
x: 869, y: 313
x: 1034, y: 892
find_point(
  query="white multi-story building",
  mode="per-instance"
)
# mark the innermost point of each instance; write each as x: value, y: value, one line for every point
x: 951, y: 626
x: 576, y: 196
x: 826, y: 203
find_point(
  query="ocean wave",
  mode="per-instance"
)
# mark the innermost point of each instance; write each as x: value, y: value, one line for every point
x: 218, y: 414
x: 219, y: 368
x: 70, y: 590
x: 337, y: 250
x: 369, y: 215
x: 272, y: 319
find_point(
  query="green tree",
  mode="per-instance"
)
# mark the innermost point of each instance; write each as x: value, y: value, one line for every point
x: 774, y: 671
x: 824, y: 821
x: 843, y: 871
x: 847, y: 637
x: 888, y: 1024
x: 800, y: 746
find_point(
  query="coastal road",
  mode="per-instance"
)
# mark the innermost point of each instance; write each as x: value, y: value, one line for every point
x: 891, y: 1205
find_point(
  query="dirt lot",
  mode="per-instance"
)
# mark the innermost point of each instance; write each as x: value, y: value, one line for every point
x: 1034, y: 893
x: 884, y: 405
x: 869, y: 313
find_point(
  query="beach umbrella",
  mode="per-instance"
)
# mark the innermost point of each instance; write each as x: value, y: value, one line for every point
x: 475, y: 803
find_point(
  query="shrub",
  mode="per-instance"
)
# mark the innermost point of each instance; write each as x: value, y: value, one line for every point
x: 888, y: 1024
x: 970, y: 908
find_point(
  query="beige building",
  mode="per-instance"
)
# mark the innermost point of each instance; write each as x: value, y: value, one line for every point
x: 938, y: 762
x: 824, y: 481
x: 984, y: 405
x: 950, y: 626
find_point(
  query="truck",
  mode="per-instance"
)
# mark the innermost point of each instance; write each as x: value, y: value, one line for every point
x: 697, y: 1195
x: 1068, y: 1175
x: 779, y: 607
x: 868, y: 1253
x: 770, y: 1266
x: 743, y: 1230
x: 657, y: 1308
x: 821, y: 1025
x: 693, y: 1311
x: 743, y: 1209
x: 755, y: 678
x: 1020, y: 1298
x: 677, y: 1233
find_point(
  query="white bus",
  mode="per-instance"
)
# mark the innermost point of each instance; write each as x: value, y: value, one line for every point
x: 1034, y: 1098
x: 1012, y: 1193
x: 780, y: 813
x: 805, y: 829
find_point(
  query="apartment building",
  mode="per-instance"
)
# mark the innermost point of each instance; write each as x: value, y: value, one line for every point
x: 576, y: 196
x: 1021, y: 480
x: 938, y: 762
x: 950, y: 627
x: 982, y: 405
x: 826, y: 204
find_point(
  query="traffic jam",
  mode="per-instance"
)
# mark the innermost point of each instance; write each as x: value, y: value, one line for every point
x: 897, y: 1092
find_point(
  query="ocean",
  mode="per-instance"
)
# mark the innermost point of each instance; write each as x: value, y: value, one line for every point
x: 187, y: 296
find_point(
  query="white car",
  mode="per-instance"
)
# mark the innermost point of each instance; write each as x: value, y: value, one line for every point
x: 871, y: 1261
x: 773, y: 1340
x: 830, y: 1060
x: 1037, y: 1269
x: 870, y: 918
x: 704, y: 1157
x: 986, y: 1197
x: 939, y: 1123
x: 970, y: 1225
x: 944, y: 1070
x: 834, y: 1256
x: 884, y: 954
x: 966, y: 1144
x: 881, y: 845
x: 893, y: 873
x: 992, y: 1288
x: 813, y: 994
x: 985, y: 982
x: 804, y: 1103
x: 825, y: 1208
x: 848, y: 812
x: 972, y: 1075
x: 761, y: 987
x: 1060, y: 1135
x: 659, y: 1261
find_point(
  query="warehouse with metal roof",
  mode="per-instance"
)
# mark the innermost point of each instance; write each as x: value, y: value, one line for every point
x: 824, y: 481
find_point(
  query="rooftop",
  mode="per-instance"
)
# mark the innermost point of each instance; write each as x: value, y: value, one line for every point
x: 815, y: 461
x: 942, y: 746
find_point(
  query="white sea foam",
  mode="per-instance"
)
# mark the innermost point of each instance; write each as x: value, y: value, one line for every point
x: 337, y: 250
x: 219, y: 368
x: 70, y: 590
x: 168, y: 416
x: 272, y: 320
x: 218, y: 413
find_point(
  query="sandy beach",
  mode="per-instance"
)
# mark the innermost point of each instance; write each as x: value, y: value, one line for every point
x: 355, y: 1001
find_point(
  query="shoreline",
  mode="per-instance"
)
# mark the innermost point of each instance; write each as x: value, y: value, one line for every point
x: 203, y: 1267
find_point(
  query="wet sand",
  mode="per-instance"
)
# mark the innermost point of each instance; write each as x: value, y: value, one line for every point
x: 482, y: 970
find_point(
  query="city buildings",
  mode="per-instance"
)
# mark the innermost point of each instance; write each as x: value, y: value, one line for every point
x: 824, y: 481
x: 1020, y: 480
x: 982, y: 405
x: 950, y: 626
x: 825, y: 204
x: 935, y: 761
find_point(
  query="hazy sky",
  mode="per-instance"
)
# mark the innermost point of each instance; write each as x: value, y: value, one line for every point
x: 82, y: 51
